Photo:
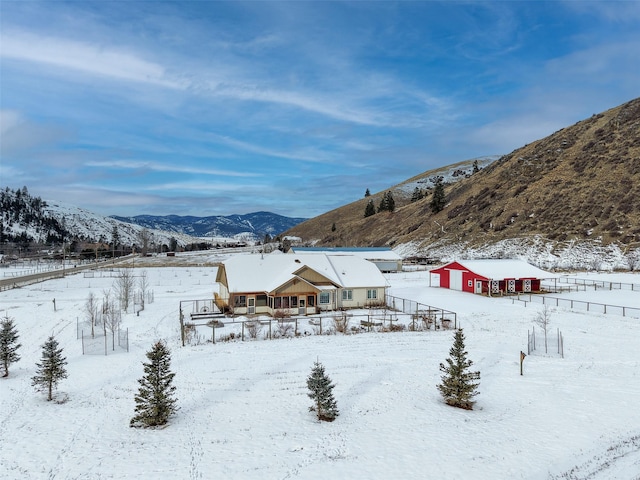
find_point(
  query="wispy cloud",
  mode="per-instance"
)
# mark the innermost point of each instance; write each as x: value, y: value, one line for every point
x: 122, y: 65
x: 167, y: 167
x: 83, y: 57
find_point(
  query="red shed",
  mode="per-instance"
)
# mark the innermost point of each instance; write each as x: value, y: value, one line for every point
x: 491, y: 277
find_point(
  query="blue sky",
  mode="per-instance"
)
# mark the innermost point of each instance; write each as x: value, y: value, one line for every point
x: 215, y: 108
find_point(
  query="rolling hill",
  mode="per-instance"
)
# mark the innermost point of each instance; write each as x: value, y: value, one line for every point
x: 580, y: 185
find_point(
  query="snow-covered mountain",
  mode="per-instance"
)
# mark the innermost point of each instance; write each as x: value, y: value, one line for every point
x: 256, y: 224
x: 83, y: 224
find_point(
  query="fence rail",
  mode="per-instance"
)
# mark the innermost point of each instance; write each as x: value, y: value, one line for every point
x: 577, y: 305
x: 601, y: 284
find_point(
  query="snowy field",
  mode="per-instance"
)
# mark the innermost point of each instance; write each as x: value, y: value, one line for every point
x: 244, y: 406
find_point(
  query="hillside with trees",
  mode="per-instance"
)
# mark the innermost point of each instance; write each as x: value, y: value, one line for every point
x: 24, y: 219
x: 580, y: 184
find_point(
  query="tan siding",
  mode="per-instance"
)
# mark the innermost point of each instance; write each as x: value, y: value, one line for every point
x: 298, y: 288
x: 314, y: 277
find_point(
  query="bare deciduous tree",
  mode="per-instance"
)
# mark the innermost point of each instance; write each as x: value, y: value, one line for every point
x: 111, y: 317
x: 92, y: 311
x: 143, y: 286
x: 144, y: 237
x: 123, y: 286
x: 543, y: 319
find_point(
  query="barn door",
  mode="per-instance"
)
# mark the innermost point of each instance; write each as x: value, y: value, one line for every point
x: 455, y: 279
x: 478, y: 288
x: 511, y: 286
x: 526, y: 286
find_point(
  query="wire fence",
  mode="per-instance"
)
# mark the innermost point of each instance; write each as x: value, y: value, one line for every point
x: 416, y: 308
x: 549, y: 342
x: 211, y: 326
x: 594, y: 307
x: 105, y: 343
x: 267, y: 328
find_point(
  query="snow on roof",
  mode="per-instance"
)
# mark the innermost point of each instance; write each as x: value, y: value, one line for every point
x: 368, y: 253
x: 505, y: 268
x: 265, y: 273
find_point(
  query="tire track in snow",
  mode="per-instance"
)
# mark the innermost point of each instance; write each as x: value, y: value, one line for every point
x: 611, y: 464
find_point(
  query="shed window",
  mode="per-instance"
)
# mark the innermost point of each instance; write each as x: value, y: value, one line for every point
x: 372, y: 294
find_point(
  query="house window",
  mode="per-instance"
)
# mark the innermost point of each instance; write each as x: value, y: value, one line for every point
x: 323, y: 298
x: 372, y: 294
x: 347, y: 295
x: 277, y: 303
x: 311, y: 301
x: 240, y: 301
x: 294, y: 302
x: 261, y: 301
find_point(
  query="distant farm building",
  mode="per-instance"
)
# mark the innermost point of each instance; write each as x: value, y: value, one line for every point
x: 297, y: 284
x: 382, y: 257
x: 490, y: 277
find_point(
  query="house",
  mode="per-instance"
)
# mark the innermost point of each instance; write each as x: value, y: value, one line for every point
x: 491, y: 277
x: 297, y: 284
x: 383, y: 257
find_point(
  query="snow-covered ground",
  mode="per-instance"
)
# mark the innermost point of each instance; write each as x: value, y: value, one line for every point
x: 244, y: 406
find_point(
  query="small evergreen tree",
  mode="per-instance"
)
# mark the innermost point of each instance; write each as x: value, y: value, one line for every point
x: 367, y: 193
x: 458, y: 385
x: 417, y: 195
x: 370, y: 209
x: 387, y: 203
x: 333, y: 227
x: 438, y: 200
x: 155, y: 401
x: 391, y: 203
x: 8, y: 344
x: 320, y: 391
x: 476, y: 169
x: 382, y: 206
x: 51, y: 368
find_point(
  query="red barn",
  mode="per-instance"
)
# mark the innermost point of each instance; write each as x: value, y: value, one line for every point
x: 491, y: 277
